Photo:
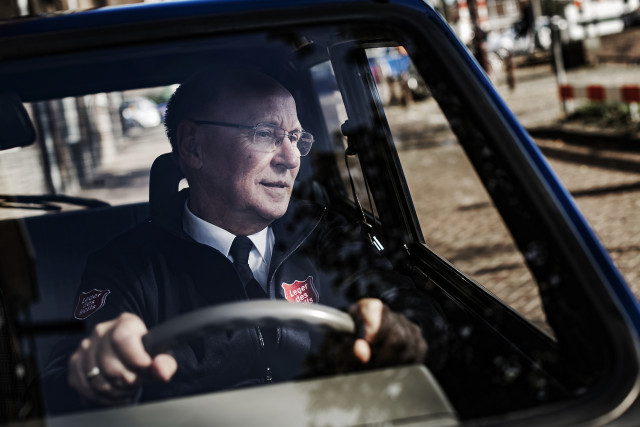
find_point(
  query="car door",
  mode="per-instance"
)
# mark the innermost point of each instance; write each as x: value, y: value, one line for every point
x: 558, y: 362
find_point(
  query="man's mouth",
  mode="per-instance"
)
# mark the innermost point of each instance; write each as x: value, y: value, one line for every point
x: 276, y: 184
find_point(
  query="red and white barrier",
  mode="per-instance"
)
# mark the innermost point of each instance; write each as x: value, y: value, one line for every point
x: 628, y: 94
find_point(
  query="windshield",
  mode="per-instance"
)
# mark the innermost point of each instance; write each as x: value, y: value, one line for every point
x: 405, y: 206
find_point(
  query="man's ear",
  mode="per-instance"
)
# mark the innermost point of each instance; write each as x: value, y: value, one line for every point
x: 188, y: 144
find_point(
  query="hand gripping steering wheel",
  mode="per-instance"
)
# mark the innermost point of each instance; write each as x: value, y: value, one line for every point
x: 267, y: 313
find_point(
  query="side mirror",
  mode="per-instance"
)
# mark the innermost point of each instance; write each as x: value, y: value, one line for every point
x: 16, y: 129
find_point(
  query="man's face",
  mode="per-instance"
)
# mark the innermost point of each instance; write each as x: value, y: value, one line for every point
x: 241, y: 188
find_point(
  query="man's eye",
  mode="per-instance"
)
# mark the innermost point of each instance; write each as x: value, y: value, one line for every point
x: 294, y: 137
x: 264, y: 133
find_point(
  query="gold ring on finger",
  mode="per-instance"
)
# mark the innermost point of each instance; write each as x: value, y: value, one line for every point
x: 93, y: 372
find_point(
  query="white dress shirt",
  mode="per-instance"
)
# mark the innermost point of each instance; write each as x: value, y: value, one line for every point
x: 220, y: 239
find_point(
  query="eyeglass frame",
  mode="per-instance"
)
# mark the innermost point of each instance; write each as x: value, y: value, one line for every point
x: 253, y: 128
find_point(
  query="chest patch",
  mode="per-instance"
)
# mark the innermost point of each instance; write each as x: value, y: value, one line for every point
x: 90, y: 302
x: 301, y: 291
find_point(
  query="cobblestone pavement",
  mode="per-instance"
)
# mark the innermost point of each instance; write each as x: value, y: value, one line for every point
x: 605, y: 183
x: 455, y: 213
x: 609, y: 198
x: 460, y: 223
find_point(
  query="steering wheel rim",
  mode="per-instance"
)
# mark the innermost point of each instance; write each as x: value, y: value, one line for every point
x: 267, y: 313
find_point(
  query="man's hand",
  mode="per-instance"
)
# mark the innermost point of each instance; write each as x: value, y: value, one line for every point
x: 384, y: 338
x: 109, y: 366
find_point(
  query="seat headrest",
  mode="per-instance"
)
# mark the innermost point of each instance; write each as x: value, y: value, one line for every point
x: 164, y: 181
x: 17, y: 128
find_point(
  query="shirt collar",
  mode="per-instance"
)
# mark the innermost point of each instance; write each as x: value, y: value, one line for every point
x: 218, y: 238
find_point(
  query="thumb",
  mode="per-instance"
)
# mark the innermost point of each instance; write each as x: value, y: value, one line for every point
x: 163, y: 367
x: 362, y: 350
x: 368, y: 315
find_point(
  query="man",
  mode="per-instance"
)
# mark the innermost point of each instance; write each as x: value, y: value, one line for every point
x: 237, y: 138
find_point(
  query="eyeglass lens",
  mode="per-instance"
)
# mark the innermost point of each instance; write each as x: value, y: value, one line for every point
x: 268, y: 136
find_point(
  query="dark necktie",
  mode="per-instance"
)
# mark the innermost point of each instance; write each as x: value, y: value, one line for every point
x: 240, y: 249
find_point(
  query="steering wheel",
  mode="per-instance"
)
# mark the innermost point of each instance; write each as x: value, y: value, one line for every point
x: 266, y: 313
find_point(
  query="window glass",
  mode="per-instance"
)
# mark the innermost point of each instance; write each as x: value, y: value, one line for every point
x: 334, y: 114
x: 97, y: 146
x: 101, y: 146
x: 457, y: 218
x: 600, y: 170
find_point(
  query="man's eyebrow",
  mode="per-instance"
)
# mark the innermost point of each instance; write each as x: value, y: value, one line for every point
x: 298, y: 128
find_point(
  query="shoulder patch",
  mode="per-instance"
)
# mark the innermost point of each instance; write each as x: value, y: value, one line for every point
x: 90, y: 302
x: 301, y: 291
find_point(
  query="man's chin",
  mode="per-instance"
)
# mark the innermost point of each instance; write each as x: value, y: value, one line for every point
x: 274, y: 210
x: 275, y: 214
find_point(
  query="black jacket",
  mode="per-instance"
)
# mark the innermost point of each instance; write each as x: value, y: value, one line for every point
x: 157, y: 271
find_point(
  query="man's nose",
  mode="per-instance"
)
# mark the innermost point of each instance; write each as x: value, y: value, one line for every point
x: 287, y: 154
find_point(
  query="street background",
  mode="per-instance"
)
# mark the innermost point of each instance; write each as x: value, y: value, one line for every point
x: 599, y: 165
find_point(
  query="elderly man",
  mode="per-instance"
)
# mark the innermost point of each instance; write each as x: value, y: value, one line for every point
x: 237, y: 138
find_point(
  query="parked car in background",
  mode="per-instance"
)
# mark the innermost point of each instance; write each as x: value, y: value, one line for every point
x: 513, y: 42
x: 139, y: 112
x: 397, y: 80
x: 590, y: 18
x: 543, y: 328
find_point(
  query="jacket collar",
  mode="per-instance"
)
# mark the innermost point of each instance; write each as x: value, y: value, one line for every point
x: 300, y: 219
x: 170, y: 218
x: 298, y: 222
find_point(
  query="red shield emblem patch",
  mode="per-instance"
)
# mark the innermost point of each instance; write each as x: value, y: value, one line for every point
x: 302, y: 292
x: 89, y: 303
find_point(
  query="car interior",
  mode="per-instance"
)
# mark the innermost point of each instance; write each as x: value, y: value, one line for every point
x: 498, y: 361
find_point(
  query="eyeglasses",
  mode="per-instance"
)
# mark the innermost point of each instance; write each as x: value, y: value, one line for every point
x: 266, y: 137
